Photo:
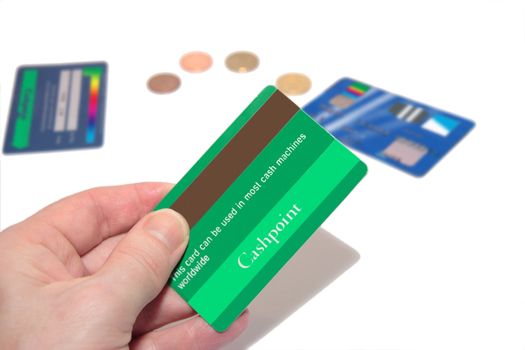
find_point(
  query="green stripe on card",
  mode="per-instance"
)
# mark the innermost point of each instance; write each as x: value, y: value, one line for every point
x: 259, y: 203
x: 272, y: 232
x: 24, y: 110
x: 290, y: 248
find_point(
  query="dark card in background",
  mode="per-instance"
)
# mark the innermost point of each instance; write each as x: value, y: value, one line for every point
x: 57, y: 107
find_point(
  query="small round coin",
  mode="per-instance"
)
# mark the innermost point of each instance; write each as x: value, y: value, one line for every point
x: 196, y: 62
x: 242, y: 61
x: 164, y: 83
x: 294, y: 83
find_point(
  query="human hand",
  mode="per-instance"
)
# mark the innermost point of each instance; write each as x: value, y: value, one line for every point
x: 90, y: 272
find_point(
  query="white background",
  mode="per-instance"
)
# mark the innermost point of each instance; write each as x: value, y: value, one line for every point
x: 442, y: 261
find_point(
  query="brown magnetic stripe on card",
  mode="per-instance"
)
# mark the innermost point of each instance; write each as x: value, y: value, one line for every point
x: 242, y: 149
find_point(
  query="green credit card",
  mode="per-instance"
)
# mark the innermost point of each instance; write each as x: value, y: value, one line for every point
x: 252, y: 200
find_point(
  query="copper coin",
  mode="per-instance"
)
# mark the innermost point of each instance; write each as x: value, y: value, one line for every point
x: 164, y: 83
x: 242, y: 61
x: 294, y: 83
x: 196, y: 62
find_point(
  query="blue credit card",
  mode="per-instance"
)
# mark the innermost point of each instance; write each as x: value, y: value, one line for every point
x: 406, y: 134
x: 57, y: 107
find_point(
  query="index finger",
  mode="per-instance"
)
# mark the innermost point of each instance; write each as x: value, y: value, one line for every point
x: 87, y: 218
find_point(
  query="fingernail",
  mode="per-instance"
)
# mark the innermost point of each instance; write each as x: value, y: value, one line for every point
x: 169, y: 227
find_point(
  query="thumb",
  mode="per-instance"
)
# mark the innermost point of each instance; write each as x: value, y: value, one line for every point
x: 142, y: 262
